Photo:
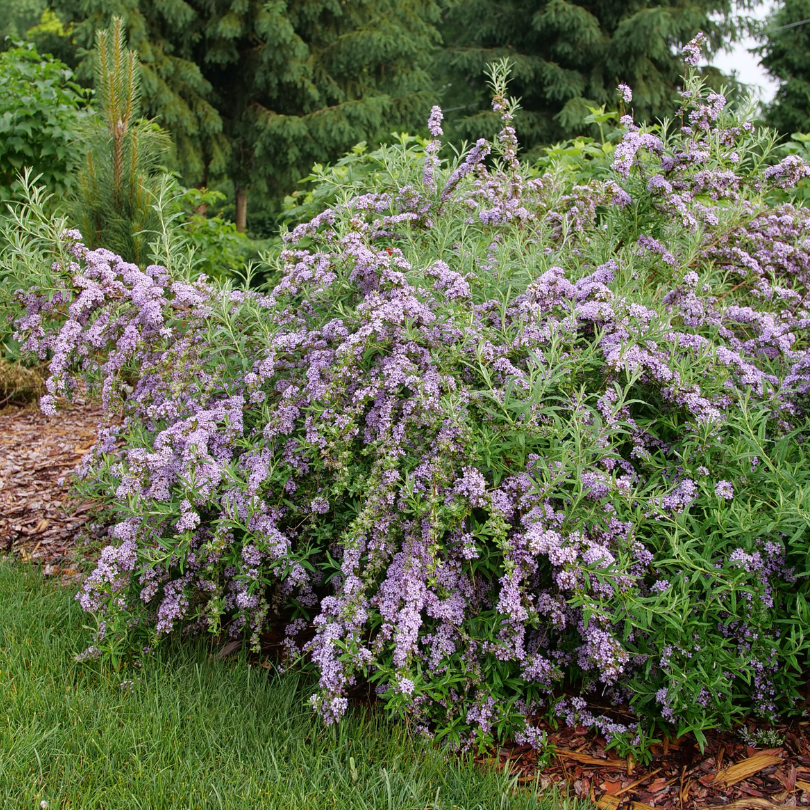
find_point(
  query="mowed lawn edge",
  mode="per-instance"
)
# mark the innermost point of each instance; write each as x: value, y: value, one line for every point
x: 191, y: 731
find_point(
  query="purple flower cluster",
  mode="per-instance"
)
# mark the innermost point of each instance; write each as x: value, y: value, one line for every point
x: 431, y: 150
x: 625, y: 93
x: 692, y: 50
x: 788, y: 172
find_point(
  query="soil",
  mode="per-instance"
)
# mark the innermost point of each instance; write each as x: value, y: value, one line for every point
x: 40, y: 522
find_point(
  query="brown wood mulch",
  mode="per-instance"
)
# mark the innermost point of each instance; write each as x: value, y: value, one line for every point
x: 727, y: 773
x: 39, y: 521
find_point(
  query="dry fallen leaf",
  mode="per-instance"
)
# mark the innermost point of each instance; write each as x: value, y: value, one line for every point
x: 230, y: 647
x: 608, y: 803
x: 587, y: 759
x: 748, y: 767
x: 787, y: 778
x: 638, y: 782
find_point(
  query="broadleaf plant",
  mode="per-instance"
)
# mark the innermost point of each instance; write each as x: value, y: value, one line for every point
x: 41, y: 109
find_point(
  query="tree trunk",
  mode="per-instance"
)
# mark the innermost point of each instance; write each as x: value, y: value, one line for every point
x: 202, y: 209
x: 241, y: 208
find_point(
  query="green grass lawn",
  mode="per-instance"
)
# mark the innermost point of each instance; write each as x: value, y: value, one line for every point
x: 195, y: 732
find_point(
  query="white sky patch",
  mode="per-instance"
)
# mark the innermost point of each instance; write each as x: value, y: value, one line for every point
x: 737, y: 58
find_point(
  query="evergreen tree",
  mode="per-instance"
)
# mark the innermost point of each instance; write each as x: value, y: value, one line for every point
x: 786, y: 55
x: 302, y: 81
x: 285, y: 83
x: 16, y: 17
x: 114, y: 202
x: 568, y: 56
x: 174, y: 90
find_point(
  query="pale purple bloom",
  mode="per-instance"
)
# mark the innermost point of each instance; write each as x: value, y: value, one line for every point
x: 788, y: 172
x: 435, y: 121
x: 692, y: 51
x: 724, y: 489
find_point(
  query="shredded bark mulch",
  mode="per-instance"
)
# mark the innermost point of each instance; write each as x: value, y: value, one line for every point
x: 727, y: 773
x: 39, y: 521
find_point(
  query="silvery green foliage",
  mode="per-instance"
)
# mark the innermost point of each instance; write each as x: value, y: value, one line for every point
x: 490, y: 434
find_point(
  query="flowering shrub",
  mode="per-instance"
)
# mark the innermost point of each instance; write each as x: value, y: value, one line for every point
x: 492, y: 438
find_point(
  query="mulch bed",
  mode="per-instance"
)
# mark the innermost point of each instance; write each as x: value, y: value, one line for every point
x: 727, y: 773
x: 40, y: 522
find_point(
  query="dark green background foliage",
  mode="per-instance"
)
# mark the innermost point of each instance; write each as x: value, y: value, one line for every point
x: 220, y: 250
x: 786, y: 55
x: 303, y: 82
x: 260, y: 90
x: 571, y: 56
x: 40, y: 105
x: 17, y: 16
x: 254, y: 93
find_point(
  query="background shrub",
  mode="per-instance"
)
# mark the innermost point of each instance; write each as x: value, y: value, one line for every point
x: 495, y: 441
x: 41, y: 108
x: 220, y: 250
